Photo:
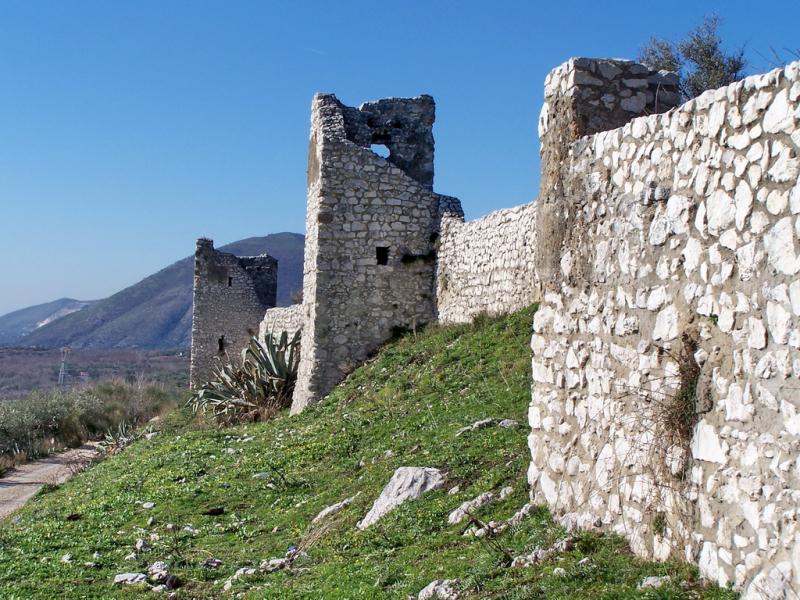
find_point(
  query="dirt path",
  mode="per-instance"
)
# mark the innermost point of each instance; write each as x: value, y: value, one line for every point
x: 20, y: 484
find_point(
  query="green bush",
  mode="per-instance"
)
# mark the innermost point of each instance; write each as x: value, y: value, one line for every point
x: 46, y: 420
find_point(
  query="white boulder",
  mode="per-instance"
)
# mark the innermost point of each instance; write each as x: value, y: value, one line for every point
x: 407, y: 483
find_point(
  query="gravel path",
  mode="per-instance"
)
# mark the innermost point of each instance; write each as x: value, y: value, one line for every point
x: 20, y: 484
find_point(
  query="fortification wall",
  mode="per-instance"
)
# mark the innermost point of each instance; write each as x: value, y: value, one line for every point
x: 371, y: 228
x: 673, y: 259
x: 486, y: 265
x: 230, y: 295
x: 284, y: 318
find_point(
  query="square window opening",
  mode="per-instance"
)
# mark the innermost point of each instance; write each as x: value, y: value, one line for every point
x: 382, y: 255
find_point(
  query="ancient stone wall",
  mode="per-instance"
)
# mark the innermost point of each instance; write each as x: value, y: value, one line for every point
x: 486, y: 265
x: 673, y: 262
x: 284, y: 318
x: 230, y: 295
x: 371, y: 228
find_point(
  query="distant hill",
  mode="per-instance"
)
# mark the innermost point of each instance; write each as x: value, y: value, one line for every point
x: 156, y: 313
x: 15, y: 325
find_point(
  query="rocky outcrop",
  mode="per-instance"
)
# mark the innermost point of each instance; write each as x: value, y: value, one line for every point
x: 407, y: 483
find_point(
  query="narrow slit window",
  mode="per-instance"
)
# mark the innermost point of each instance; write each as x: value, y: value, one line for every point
x: 230, y: 281
x: 382, y: 255
x: 221, y: 345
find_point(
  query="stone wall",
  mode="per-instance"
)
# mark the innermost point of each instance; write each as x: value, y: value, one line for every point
x: 284, y: 318
x: 230, y: 295
x: 371, y: 228
x: 673, y: 259
x: 486, y: 265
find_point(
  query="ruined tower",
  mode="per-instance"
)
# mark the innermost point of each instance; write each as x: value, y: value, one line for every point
x: 230, y: 295
x: 371, y: 231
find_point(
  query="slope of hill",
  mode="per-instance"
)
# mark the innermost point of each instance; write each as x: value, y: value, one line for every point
x: 157, y: 311
x: 17, y: 324
x: 228, y: 499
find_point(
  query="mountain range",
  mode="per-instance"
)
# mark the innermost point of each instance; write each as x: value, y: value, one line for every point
x: 155, y: 313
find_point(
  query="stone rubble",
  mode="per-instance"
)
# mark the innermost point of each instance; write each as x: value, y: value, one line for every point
x: 440, y: 589
x: 130, y: 578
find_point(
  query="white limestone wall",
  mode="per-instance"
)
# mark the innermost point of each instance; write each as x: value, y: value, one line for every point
x: 680, y: 229
x: 283, y: 318
x: 486, y: 265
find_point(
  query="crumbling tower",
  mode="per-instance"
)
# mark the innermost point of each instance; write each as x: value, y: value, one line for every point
x: 371, y: 229
x: 230, y: 295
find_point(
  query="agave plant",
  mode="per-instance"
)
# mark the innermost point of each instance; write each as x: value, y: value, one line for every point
x: 258, y: 386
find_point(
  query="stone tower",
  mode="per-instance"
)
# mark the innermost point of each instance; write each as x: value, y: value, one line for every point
x: 372, y: 225
x: 230, y: 295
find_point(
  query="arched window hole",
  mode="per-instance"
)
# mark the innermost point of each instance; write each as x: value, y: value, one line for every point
x: 381, y: 150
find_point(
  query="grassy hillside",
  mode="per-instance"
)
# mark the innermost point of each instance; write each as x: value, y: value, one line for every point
x: 404, y: 408
x: 157, y: 311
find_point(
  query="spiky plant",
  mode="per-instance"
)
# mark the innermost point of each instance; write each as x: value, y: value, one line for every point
x: 257, y: 387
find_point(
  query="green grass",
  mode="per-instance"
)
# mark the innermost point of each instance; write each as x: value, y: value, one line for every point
x: 410, y: 400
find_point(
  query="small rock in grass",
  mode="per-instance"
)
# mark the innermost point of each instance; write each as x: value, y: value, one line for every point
x: 470, y: 506
x: 244, y: 571
x: 454, y: 490
x: 560, y: 572
x: 508, y: 423
x: 158, y: 567
x: 67, y: 558
x: 148, y: 505
x: 654, y: 582
x: 506, y: 492
x: 142, y: 546
x: 190, y: 529
x: 130, y: 578
x: 260, y: 475
x: 151, y: 521
x: 131, y: 556
x: 334, y: 508
x: 440, y: 589
x: 475, y: 426
x: 583, y: 561
x: 273, y: 564
x: 211, y: 563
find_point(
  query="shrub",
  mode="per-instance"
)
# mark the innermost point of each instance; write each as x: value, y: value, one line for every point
x: 44, y: 421
x: 699, y: 59
x: 257, y: 387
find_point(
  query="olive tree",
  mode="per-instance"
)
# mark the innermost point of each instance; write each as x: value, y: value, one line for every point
x: 699, y: 59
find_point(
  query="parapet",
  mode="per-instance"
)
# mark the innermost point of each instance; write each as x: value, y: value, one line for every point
x: 403, y: 125
x: 582, y: 97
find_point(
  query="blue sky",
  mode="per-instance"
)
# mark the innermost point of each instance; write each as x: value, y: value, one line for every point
x: 128, y: 129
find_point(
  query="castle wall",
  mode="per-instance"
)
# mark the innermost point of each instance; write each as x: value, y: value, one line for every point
x: 284, y: 318
x: 486, y: 265
x: 669, y: 246
x: 230, y: 295
x: 371, y: 228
